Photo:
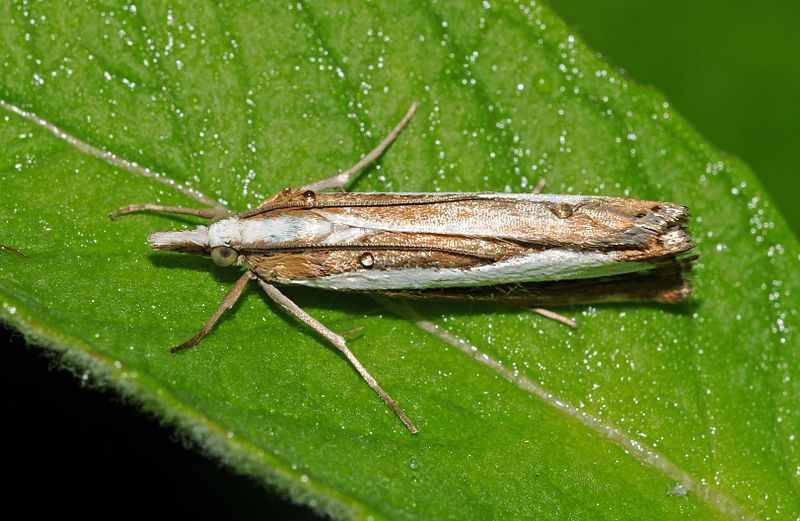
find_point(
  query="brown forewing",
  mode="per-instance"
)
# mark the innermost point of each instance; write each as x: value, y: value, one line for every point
x: 592, y: 223
x: 479, y: 230
x: 298, y: 265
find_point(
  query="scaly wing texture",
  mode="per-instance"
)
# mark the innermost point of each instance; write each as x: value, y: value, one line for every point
x: 393, y: 241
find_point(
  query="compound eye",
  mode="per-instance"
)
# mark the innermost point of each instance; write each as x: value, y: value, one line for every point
x: 223, y: 256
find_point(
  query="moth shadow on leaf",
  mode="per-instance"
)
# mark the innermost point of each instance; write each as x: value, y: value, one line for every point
x: 194, y: 263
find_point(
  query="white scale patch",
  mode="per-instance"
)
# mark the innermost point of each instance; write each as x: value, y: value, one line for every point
x: 164, y: 240
x: 553, y: 264
x: 280, y: 230
x: 272, y: 231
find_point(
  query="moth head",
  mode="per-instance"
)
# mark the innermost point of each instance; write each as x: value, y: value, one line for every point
x: 214, y: 240
x: 194, y: 241
x: 189, y: 241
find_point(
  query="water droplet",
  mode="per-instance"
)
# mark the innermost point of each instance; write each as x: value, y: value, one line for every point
x: 678, y: 490
x: 367, y: 260
x: 542, y: 85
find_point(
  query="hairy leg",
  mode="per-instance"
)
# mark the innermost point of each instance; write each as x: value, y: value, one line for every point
x: 207, y: 213
x: 339, y: 343
x: 226, y: 304
x: 343, y: 178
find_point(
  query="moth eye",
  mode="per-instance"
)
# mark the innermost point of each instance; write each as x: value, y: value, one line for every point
x: 223, y: 256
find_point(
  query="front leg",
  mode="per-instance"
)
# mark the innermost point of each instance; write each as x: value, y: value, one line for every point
x: 339, y: 343
x: 9, y: 248
x: 295, y: 197
x: 226, y: 304
x: 345, y: 177
x: 206, y: 213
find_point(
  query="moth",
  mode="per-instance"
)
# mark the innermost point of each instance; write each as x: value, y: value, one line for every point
x: 532, y: 249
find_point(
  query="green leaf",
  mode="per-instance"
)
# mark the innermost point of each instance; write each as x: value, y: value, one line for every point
x: 524, y: 418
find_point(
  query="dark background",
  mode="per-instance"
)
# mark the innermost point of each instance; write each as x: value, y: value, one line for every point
x: 730, y: 67
x: 73, y: 451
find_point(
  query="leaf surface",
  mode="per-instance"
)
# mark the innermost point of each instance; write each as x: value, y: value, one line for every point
x: 519, y: 417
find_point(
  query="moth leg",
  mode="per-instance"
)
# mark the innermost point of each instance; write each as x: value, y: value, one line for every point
x: 207, y: 213
x: 352, y: 331
x: 539, y: 186
x: 226, y: 304
x: 9, y: 248
x: 344, y: 177
x: 555, y: 316
x: 339, y: 343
